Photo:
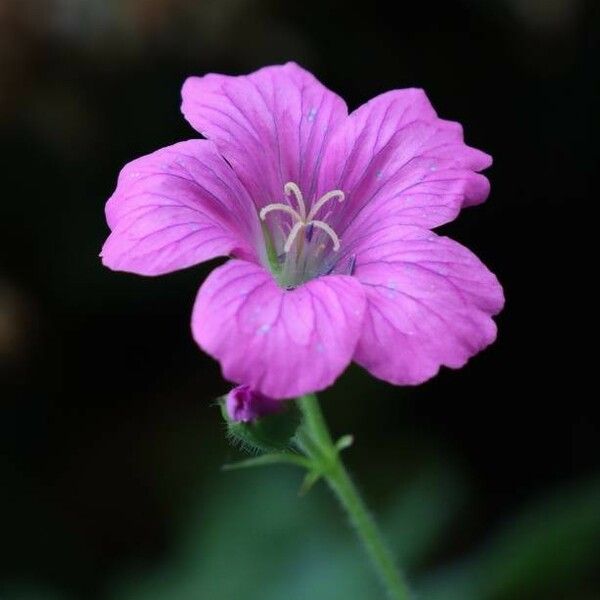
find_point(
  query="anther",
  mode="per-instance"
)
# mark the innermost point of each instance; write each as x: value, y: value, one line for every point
x: 292, y: 236
x: 291, y: 188
x: 278, y: 206
x: 329, y: 231
x: 323, y: 200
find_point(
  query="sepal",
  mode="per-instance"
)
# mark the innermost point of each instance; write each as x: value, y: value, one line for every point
x: 266, y: 434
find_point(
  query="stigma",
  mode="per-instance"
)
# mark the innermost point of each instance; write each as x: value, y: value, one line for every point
x: 300, y: 218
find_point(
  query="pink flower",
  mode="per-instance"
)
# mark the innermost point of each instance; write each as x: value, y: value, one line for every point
x: 328, y: 218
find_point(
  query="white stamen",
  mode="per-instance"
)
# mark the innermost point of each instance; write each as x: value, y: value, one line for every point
x: 323, y: 200
x: 330, y: 232
x: 291, y: 188
x: 292, y: 236
x: 279, y: 206
x: 300, y: 220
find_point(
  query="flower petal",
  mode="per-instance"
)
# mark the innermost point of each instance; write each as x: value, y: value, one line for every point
x: 394, y: 158
x: 177, y: 207
x: 271, y: 125
x: 429, y: 303
x: 283, y: 343
x: 243, y: 404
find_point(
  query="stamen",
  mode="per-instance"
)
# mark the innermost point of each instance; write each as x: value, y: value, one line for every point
x: 279, y: 206
x: 323, y: 200
x: 291, y: 188
x: 292, y: 236
x: 329, y: 231
x: 299, y: 218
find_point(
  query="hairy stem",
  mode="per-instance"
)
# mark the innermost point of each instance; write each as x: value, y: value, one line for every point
x: 316, y: 441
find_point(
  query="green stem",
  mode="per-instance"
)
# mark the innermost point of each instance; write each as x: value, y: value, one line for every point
x: 316, y: 441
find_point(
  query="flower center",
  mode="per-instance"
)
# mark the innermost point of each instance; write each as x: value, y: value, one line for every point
x: 304, y: 255
x: 300, y: 219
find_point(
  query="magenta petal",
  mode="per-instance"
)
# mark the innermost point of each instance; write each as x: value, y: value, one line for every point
x: 429, y: 303
x: 282, y: 343
x: 177, y: 207
x: 245, y: 405
x: 395, y: 158
x: 271, y: 125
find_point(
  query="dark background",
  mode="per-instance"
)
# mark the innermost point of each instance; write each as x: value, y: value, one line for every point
x: 106, y: 422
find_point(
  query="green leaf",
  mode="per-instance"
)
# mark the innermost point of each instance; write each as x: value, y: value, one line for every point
x: 250, y: 537
x: 546, y: 546
x: 269, y: 459
x: 545, y: 549
x: 423, y: 512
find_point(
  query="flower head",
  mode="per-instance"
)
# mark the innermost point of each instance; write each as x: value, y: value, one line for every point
x: 328, y: 218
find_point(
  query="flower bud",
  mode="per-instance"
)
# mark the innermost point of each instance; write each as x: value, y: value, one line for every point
x: 245, y: 405
x: 257, y: 422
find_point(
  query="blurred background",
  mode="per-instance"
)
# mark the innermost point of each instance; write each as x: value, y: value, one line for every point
x: 486, y: 479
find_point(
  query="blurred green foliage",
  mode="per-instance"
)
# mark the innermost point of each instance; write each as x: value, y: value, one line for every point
x: 537, y: 553
x: 259, y: 541
x: 256, y: 539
